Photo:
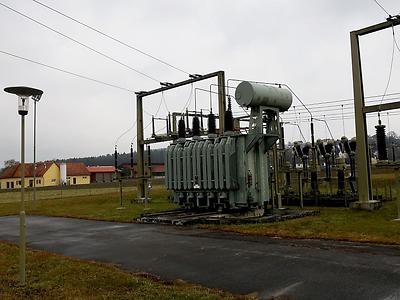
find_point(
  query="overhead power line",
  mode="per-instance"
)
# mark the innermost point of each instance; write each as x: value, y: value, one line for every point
x: 80, y: 43
x: 390, y: 71
x: 110, y: 37
x: 345, y: 100
x: 382, y: 8
x: 67, y: 72
x: 395, y: 40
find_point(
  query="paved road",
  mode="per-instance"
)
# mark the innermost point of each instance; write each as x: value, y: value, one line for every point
x: 240, y: 264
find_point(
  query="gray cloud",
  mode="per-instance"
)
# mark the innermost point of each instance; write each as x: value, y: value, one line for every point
x: 303, y: 43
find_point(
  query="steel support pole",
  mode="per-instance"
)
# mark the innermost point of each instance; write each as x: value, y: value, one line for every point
x: 22, y: 239
x: 362, y: 153
x: 34, y: 153
x: 141, y: 192
x: 276, y: 180
x: 221, y: 101
x: 364, y: 185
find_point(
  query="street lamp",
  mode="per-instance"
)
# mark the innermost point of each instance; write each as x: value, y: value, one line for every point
x: 23, y: 94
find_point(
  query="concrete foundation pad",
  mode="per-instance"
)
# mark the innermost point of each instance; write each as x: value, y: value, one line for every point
x: 366, y: 205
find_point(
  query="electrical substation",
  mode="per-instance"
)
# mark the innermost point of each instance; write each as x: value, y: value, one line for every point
x: 242, y: 170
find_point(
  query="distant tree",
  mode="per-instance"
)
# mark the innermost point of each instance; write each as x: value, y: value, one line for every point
x: 10, y: 162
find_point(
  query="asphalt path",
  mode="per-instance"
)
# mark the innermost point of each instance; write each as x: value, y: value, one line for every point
x: 300, y: 269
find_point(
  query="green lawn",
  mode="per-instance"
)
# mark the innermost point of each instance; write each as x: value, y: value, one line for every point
x: 333, y: 223
x: 57, y: 193
x: 95, y: 207
x: 51, y: 276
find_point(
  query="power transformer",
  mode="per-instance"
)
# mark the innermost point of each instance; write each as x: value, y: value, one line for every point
x: 229, y: 170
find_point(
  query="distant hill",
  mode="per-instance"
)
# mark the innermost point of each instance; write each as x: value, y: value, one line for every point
x: 157, y: 156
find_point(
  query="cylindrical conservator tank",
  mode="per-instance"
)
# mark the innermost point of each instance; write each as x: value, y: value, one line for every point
x: 250, y: 94
x: 63, y: 173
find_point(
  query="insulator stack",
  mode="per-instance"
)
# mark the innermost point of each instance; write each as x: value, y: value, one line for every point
x: 345, y: 145
x: 115, y: 158
x: 321, y: 147
x: 353, y: 144
x: 181, y: 128
x: 196, y: 126
x: 229, y: 117
x: 381, y: 141
x: 329, y: 147
x: 212, y: 128
x: 306, y: 149
x: 131, y: 157
x: 298, y: 149
x: 282, y: 139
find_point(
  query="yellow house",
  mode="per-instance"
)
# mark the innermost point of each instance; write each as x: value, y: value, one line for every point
x: 47, y: 174
x: 77, y: 173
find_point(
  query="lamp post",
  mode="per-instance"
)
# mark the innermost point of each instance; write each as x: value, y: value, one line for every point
x: 23, y: 94
x: 36, y: 99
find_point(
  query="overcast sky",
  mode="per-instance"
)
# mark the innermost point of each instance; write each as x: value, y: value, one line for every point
x: 304, y: 43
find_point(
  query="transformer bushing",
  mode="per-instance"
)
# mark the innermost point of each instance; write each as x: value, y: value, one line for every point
x: 381, y: 141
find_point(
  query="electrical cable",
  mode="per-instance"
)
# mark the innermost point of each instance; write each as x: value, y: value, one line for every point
x: 321, y: 106
x: 110, y: 37
x: 67, y: 72
x: 134, y: 124
x: 390, y: 74
x: 125, y: 132
x: 382, y: 8
x: 395, y: 41
x: 165, y: 102
x: 80, y: 43
x: 344, y: 127
x: 324, y: 108
x: 189, y: 100
x: 333, y: 118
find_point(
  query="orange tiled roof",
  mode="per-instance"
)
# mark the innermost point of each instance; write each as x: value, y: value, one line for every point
x: 15, y: 171
x: 73, y: 169
x: 101, y: 169
x: 77, y: 169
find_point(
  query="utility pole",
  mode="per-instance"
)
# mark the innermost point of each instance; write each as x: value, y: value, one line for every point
x: 364, y: 186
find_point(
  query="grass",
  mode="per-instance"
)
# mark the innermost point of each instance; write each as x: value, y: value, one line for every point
x: 57, y: 193
x: 333, y: 223
x: 51, y: 276
x: 94, y: 207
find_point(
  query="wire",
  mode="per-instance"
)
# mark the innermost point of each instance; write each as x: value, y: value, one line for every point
x: 158, y: 108
x: 165, y: 102
x: 333, y: 118
x: 66, y: 72
x: 80, y: 43
x: 344, y: 127
x: 130, y: 128
x: 189, y: 100
x: 110, y: 37
x: 324, y: 108
x: 323, y: 104
x: 382, y: 8
x: 395, y: 41
x: 125, y: 132
x: 390, y: 73
x: 145, y: 127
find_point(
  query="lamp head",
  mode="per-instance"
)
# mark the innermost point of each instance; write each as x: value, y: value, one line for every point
x: 23, y: 93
